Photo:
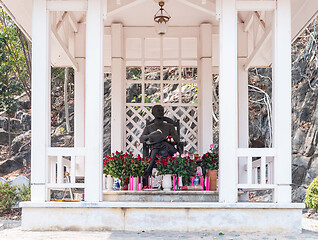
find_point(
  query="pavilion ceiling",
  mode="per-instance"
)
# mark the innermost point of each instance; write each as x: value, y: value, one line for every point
x: 140, y: 13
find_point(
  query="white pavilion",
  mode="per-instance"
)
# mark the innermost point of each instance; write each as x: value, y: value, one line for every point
x: 225, y: 37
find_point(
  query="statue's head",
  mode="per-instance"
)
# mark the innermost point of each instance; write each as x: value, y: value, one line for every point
x: 157, y: 111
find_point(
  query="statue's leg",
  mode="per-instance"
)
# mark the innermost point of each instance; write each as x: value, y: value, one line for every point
x: 148, y: 172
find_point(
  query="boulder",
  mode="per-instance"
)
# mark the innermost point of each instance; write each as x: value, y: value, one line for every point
x: 298, y: 194
x: 20, y: 142
x: 4, y: 137
x: 8, y: 166
x: 25, y: 122
x: 20, y: 181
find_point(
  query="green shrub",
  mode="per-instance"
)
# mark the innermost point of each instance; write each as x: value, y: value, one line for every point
x: 311, y: 199
x: 8, y: 197
x: 24, y: 193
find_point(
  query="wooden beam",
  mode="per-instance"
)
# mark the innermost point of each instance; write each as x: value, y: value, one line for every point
x: 258, y: 48
x: 127, y: 6
x: 255, y: 5
x: 260, y: 22
x: 200, y: 8
x: 248, y: 22
x: 73, y: 22
x: 63, y: 18
x: 67, y: 5
x: 70, y: 57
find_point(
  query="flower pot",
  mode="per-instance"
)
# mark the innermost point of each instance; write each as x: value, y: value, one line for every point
x: 109, y: 183
x: 213, y: 179
x: 166, y: 182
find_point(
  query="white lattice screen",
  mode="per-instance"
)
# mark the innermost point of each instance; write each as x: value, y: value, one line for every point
x: 136, y: 120
x: 161, y: 71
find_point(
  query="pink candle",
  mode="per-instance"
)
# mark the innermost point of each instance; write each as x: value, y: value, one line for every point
x: 174, y: 183
x: 177, y: 183
x: 141, y: 183
x: 192, y: 179
x: 129, y: 183
x: 151, y: 182
x: 202, y: 183
x: 137, y: 183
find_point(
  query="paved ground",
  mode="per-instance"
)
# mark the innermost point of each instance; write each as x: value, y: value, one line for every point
x: 12, y: 230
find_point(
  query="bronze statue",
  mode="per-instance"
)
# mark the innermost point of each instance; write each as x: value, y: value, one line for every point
x: 155, y: 135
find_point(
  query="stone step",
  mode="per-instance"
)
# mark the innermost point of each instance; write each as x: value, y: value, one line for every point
x: 161, y: 196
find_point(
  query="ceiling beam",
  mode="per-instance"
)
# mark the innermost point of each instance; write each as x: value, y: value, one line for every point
x: 255, y: 5
x: 70, y: 57
x: 266, y: 36
x: 67, y: 5
x: 125, y: 7
x: 198, y: 7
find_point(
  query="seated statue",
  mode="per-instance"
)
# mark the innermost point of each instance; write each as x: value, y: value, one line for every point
x: 155, y: 135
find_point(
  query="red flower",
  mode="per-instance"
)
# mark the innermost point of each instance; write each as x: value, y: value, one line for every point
x: 124, y: 163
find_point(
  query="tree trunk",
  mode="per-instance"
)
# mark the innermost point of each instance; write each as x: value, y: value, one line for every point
x: 67, y: 120
x: 9, y: 133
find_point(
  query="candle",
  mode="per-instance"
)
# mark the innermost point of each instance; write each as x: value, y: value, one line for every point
x: 141, y: 187
x: 137, y: 183
x: 192, y: 179
x: 177, y: 183
x: 202, y: 183
x: 174, y: 182
x: 151, y: 183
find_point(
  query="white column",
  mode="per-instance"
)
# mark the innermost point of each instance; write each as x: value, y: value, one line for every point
x: 118, y: 90
x: 79, y: 113
x: 282, y: 101
x: 79, y: 98
x: 243, y: 123
x: 228, y: 103
x: 40, y: 101
x: 94, y: 111
x: 205, y: 100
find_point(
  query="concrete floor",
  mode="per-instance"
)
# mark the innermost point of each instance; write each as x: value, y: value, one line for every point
x: 12, y: 230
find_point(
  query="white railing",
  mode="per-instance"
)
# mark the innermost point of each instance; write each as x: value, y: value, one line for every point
x: 259, y: 168
x: 62, y: 161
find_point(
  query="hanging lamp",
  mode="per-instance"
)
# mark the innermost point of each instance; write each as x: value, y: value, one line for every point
x: 161, y: 18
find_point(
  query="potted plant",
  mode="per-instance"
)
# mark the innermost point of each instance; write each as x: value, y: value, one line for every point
x: 114, y: 165
x: 135, y: 168
x: 210, y: 165
x: 184, y: 167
